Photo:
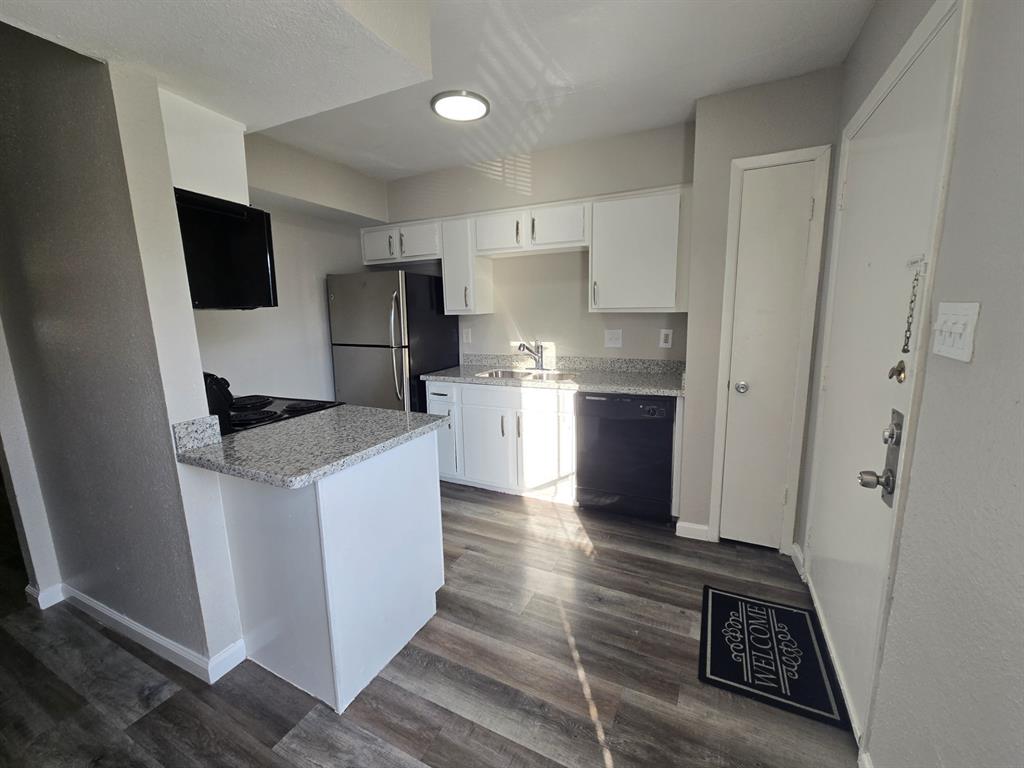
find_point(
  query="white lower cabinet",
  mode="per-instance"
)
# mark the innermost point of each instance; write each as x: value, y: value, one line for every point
x: 448, y: 462
x: 513, y: 439
x: 489, y: 445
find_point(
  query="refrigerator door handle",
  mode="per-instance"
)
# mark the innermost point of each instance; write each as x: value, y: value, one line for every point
x: 394, y: 367
x: 391, y: 321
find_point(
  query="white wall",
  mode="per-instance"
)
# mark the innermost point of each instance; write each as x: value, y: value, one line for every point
x: 294, y: 173
x: 141, y: 117
x: 951, y: 687
x: 205, y: 148
x: 773, y: 117
x: 284, y: 350
x: 630, y: 161
x: 545, y: 297
x: 77, y: 322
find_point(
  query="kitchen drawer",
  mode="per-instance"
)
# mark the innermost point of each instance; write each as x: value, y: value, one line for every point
x: 490, y: 396
x: 445, y: 390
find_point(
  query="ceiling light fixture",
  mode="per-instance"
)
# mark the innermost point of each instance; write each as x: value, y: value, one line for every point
x: 461, y: 106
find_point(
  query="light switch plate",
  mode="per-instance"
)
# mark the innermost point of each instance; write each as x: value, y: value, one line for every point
x: 613, y: 338
x: 953, y: 332
x: 467, y: 335
x: 665, y: 338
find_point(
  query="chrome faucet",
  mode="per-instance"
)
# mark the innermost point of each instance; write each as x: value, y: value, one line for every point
x: 536, y: 352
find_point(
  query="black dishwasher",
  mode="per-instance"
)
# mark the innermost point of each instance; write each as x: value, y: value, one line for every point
x: 624, y: 454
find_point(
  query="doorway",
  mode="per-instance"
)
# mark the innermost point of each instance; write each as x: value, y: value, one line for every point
x: 13, y: 573
x: 773, y: 258
x: 894, y: 158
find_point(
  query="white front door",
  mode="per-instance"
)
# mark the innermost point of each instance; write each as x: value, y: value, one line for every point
x: 768, y: 370
x: 886, y: 223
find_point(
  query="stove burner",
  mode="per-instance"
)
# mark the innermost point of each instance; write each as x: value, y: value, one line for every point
x: 252, y: 418
x: 250, y: 402
x: 305, y: 407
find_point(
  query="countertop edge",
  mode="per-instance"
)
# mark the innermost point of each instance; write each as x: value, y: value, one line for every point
x: 305, y: 479
x: 571, y: 386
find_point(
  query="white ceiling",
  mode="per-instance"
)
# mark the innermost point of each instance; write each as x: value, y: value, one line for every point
x: 262, y: 62
x: 558, y: 71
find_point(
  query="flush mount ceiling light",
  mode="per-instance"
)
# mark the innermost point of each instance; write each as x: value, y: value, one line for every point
x: 461, y: 106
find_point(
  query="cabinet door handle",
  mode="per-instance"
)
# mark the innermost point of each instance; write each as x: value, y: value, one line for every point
x: 519, y: 425
x: 533, y: 229
x: 391, y: 245
x: 595, y: 293
x: 401, y: 243
x: 503, y: 425
x: 449, y: 419
x: 517, y: 231
x: 465, y: 296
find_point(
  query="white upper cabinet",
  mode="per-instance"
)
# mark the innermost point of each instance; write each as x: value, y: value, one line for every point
x: 380, y: 245
x: 419, y: 240
x: 467, y: 278
x: 634, y: 253
x: 500, y: 232
x: 560, y: 225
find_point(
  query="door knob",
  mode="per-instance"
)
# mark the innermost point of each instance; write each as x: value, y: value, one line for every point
x: 742, y: 387
x: 886, y: 481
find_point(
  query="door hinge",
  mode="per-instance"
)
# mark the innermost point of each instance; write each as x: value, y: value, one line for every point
x: 811, y: 217
x: 841, y: 205
x: 785, y: 497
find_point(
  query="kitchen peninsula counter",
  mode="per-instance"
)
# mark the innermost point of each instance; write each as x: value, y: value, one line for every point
x: 334, y: 527
x: 298, y: 452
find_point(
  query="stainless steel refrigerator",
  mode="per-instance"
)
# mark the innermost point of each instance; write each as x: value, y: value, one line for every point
x: 388, y: 328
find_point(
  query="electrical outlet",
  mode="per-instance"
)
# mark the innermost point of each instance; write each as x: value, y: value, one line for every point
x: 665, y: 338
x: 467, y: 335
x: 613, y: 338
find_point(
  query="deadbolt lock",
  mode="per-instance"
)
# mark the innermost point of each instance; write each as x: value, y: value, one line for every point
x: 891, y: 434
x: 886, y: 481
x: 742, y: 387
x: 898, y: 372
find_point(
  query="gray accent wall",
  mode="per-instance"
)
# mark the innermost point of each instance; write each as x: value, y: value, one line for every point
x: 75, y: 312
x: 950, y: 689
x: 772, y: 117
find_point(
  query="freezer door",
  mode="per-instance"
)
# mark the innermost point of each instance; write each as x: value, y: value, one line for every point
x: 368, y: 308
x: 373, y: 376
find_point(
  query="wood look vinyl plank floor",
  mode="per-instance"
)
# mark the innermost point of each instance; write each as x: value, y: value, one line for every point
x: 562, y: 638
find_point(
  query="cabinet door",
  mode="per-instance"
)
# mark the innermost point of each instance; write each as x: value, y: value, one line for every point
x: 488, y: 441
x: 457, y: 267
x: 566, y: 444
x: 500, y: 232
x: 447, y: 438
x: 559, y: 225
x: 418, y: 240
x: 537, y: 438
x: 634, y: 252
x: 380, y: 245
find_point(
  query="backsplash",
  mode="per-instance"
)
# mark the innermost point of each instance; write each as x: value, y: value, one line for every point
x: 579, y: 363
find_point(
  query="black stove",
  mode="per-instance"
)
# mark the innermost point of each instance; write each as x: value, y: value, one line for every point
x: 237, y: 414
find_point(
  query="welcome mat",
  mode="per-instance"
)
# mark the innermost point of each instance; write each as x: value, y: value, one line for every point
x: 771, y: 652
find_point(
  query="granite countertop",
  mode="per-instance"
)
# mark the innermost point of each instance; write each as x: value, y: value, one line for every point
x: 297, y: 452
x: 615, y: 382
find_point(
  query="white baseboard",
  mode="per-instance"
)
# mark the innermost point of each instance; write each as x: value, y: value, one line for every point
x: 864, y: 761
x: 208, y: 669
x: 45, y: 598
x: 693, y: 531
x: 797, y: 554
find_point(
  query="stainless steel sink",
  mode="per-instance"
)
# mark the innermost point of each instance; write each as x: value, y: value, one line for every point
x: 527, y: 375
x: 501, y: 374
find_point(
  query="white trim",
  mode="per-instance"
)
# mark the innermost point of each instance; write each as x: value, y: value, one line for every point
x: 821, y: 157
x: 45, y: 598
x: 934, y: 21
x: 864, y: 760
x: 797, y: 554
x: 694, y: 531
x: 207, y: 669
